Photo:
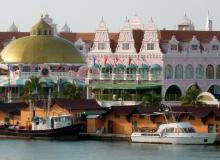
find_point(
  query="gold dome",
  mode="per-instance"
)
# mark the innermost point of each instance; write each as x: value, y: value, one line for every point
x: 41, y: 47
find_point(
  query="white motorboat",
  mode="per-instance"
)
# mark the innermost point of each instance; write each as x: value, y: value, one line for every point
x: 174, y: 133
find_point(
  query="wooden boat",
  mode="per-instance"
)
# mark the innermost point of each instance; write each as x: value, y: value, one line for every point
x: 52, y: 127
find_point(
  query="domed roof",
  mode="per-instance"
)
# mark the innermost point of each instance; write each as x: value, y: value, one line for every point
x: 41, y: 47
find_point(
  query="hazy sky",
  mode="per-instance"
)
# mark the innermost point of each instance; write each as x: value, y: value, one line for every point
x: 84, y: 15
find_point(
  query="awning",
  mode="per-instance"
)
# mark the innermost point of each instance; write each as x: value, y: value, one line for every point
x: 125, y: 86
x: 13, y: 83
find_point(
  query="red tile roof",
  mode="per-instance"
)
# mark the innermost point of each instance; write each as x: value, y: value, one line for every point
x: 79, y: 104
x: 203, y: 36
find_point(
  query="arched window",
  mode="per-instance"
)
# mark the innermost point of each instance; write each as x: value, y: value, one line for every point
x: 189, y: 71
x: 218, y: 72
x: 168, y: 72
x: 210, y: 72
x: 199, y: 72
x: 179, y: 72
x: 173, y: 93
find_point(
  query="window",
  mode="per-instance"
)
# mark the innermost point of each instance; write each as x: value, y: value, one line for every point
x: 117, y: 115
x: 39, y: 32
x: 211, y: 128
x: 150, y: 46
x: 210, y: 72
x: 194, y: 47
x: 80, y: 48
x: 125, y: 46
x: 191, y: 117
x: 215, y: 47
x: 173, y: 47
x: 199, y: 72
x: 141, y: 116
x: 179, y: 72
x: 45, y: 32
x: 189, y: 72
x: 101, y: 46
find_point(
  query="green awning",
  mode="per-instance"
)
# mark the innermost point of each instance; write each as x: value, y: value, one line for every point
x: 124, y: 86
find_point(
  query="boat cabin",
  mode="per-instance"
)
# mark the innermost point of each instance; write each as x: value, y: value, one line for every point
x: 182, y: 127
x: 52, y: 122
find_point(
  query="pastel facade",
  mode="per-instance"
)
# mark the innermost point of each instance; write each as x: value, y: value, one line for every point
x: 173, y: 59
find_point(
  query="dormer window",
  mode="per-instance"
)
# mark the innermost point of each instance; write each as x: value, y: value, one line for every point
x: 45, y: 32
x: 215, y: 47
x: 173, y: 47
x: 101, y: 46
x: 194, y: 47
x: 150, y: 46
x: 125, y: 46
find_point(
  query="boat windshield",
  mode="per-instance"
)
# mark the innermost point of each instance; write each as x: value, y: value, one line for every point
x: 178, y: 130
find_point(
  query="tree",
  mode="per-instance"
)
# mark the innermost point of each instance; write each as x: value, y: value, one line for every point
x: 152, y: 98
x: 69, y: 91
x: 33, y: 86
x: 191, y: 97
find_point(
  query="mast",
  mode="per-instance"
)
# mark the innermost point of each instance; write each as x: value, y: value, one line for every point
x: 48, y: 103
x: 9, y: 84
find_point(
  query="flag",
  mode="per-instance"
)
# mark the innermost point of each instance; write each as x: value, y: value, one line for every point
x: 116, y: 60
x: 129, y: 61
x: 94, y: 60
x: 105, y: 59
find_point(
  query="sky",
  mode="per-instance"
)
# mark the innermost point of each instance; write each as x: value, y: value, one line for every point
x: 84, y: 15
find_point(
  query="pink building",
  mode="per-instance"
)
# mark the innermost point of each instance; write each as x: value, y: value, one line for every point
x: 139, y: 59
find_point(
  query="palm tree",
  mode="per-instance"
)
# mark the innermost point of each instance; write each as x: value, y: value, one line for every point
x: 152, y: 98
x: 32, y: 87
x: 69, y: 91
x: 191, y: 97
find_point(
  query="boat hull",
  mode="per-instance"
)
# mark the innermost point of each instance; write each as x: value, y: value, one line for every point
x: 72, y: 130
x: 173, y: 139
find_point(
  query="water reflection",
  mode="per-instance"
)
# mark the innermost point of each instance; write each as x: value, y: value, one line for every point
x: 97, y: 150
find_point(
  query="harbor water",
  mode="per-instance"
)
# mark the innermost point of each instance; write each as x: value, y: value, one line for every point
x: 102, y: 150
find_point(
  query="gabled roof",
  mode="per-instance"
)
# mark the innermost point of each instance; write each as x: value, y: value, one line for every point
x: 79, y: 104
x: 12, y: 107
x: 186, y: 36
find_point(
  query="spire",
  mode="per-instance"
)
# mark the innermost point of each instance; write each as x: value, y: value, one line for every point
x: 102, y: 26
x: 13, y: 28
x: 208, y: 26
x: 136, y: 23
x: 126, y: 25
x: 65, y: 28
x: 151, y: 25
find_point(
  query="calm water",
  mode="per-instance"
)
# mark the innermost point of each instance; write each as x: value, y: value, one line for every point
x: 97, y: 150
